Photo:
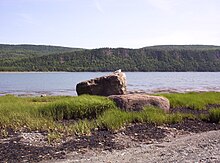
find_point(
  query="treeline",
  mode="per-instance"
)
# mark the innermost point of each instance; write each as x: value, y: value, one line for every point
x: 156, y: 58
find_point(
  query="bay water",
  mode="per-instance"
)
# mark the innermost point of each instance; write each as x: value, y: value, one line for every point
x: 64, y: 83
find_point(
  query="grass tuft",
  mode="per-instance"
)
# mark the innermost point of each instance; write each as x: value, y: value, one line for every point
x: 114, y: 119
x: 53, y: 137
x: 214, y: 115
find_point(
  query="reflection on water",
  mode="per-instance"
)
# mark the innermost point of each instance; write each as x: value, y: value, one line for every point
x: 64, y: 83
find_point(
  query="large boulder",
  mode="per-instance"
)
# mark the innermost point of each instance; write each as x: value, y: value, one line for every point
x: 113, y: 84
x: 136, y: 102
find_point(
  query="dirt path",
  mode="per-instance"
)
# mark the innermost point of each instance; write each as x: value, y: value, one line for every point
x: 200, y: 147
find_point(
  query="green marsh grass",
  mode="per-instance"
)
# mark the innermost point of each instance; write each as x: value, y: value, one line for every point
x: 89, y: 112
x: 17, y: 112
x: 214, y: 115
x: 80, y: 107
x: 193, y: 100
x: 42, y: 114
x: 115, y: 119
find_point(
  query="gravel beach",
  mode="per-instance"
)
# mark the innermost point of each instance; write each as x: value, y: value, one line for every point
x: 200, y: 147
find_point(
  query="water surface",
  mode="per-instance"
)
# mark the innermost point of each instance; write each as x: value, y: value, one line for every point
x: 64, y: 83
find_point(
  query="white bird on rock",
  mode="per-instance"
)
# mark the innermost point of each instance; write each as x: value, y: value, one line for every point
x: 118, y: 71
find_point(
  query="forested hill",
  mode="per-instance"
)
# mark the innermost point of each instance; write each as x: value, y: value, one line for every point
x: 11, y: 51
x: 154, y: 58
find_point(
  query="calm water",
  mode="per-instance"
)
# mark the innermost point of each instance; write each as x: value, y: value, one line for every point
x: 64, y: 83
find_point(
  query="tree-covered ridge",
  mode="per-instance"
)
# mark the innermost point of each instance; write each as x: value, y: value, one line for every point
x: 11, y: 51
x: 156, y: 58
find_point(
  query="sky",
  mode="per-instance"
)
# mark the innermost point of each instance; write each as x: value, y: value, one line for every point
x: 110, y: 23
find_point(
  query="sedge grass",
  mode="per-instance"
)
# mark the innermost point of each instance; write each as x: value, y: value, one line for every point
x: 90, y: 112
x: 41, y: 114
x: 115, y: 119
x: 214, y: 115
x: 77, y: 108
x: 193, y: 100
x: 17, y: 112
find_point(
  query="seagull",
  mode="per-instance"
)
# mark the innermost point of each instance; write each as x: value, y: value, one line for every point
x: 118, y: 71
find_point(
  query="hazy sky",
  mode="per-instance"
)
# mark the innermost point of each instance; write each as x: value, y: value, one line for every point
x: 110, y: 23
